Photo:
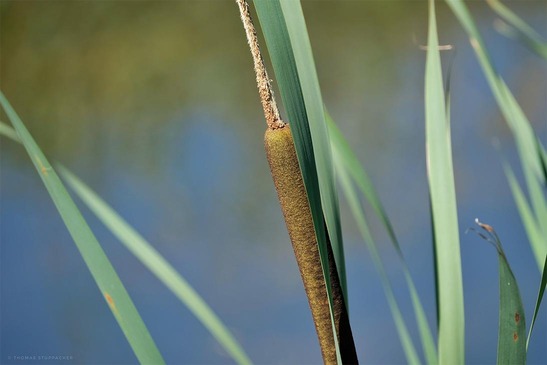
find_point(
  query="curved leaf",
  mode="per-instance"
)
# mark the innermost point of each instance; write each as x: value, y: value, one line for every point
x: 151, y: 258
x: 512, y: 324
x: 101, y: 269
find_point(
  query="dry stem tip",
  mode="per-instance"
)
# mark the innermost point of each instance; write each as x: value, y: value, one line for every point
x: 271, y: 112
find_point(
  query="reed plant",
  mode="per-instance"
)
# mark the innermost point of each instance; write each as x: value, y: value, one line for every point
x: 310, y: 160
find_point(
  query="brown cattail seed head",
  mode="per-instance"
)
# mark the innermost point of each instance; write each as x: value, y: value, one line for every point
x: 294, y: 203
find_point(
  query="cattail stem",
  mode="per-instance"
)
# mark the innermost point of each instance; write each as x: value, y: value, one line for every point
x: 294, y: 203
x: 271, y: 112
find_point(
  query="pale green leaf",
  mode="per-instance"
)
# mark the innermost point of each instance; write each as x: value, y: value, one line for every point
x: 518, y: 29
x: 98, y: 264
x: 346, y: 162
x: 151, y: 258
x: 526, y: 140
x: 443, y: 206
x: 535, y: 237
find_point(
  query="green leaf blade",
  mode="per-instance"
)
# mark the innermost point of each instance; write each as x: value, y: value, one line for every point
x: 359, y: 216
x: 307, y: 74
x: 151, y: 258
x: 525, y: 138
x: 280, y: 50
x: 155, y: 262
x: 512, y: 328
x: 346, y: 163
x: 284, y: 29
x: 541, y: 291
x: 96, y: 260
x: 518, y: 28
x: 443, y: 206
x: 535, y: 237
x: 512, y: 323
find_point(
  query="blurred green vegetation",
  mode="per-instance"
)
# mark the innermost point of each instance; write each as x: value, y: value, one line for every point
x: 128, y: 67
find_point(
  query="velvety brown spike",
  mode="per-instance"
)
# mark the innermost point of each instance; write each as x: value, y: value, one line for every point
x: 292, y: 195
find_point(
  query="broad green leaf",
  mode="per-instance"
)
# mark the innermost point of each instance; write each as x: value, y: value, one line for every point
x: 512, y: 328
x: 294, y: 94
x: 518, y: 28
x: 151, y: 258
x: 346, y: 162
x: 443, y: 206
x: 296, y: 27
x: 278, y: 43
x: 512, y: 324
x: 541, y: 291
x: 517, y: 121
x: 101, y: 269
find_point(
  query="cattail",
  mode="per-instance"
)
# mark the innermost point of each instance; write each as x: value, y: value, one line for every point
x: 292, y: 195
x: 287, y: 177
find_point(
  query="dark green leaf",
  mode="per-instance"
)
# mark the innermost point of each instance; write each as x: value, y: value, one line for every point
x: 301, y: 97
x: 512, y: 324
x: 541, y: 291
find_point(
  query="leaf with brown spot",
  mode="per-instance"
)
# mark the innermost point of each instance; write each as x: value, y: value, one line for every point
x: 110, y: 301
x: 512, y: 328
x: 512, y: 324
x: 91, y: 251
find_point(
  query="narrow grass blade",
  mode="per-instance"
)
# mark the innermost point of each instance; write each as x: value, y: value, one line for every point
x: 98, y: 264
x: 346, y: 162
x: 443, y: 205
x: 518, y: 28
x: 9, y: 132
x: 534, y: 181
x: 541, y: 291
x: 428, y: 343
x: 151, y: 258
x: 298, y: 34
x: 512, y: 323
x: 535, y: 237
x: 543, y: 157
x: 282, y: 54
x: 435, y: 267
x: 347, y: 158
x: 512, y: 112
x: 525, y: 138
x: 353, y: 201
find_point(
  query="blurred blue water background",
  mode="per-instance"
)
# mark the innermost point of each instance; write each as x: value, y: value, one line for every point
x: 153, y: 104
